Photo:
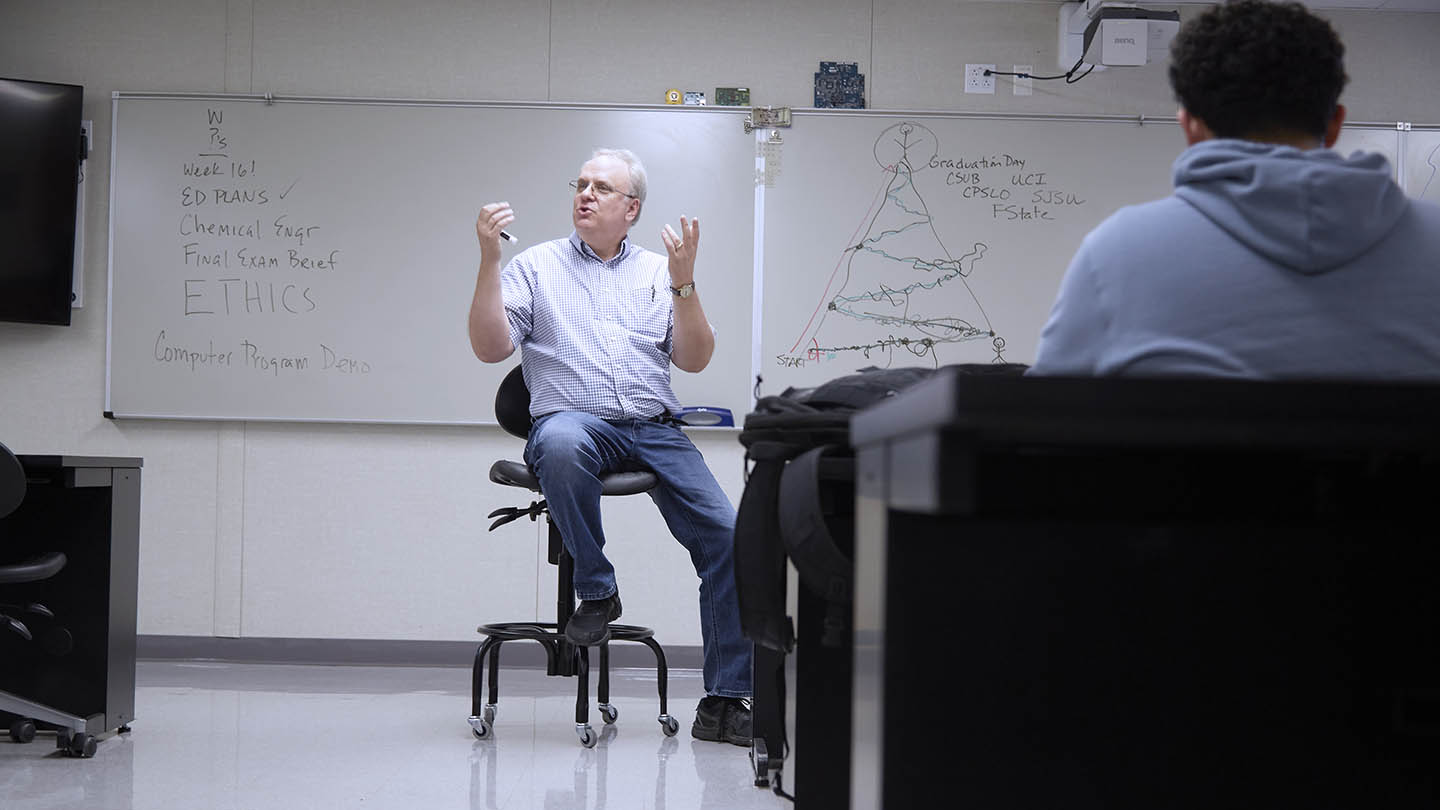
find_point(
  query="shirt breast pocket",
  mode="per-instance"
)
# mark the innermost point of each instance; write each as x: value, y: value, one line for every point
x: 648, y: 314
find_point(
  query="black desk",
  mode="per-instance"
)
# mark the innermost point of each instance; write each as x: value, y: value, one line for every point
x: 1128, y: 593
x: 88, y: 508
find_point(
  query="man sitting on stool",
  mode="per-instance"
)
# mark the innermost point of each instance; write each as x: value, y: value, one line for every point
x: 598, y: 320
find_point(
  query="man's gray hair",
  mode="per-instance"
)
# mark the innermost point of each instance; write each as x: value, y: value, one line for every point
x: 637, y: 174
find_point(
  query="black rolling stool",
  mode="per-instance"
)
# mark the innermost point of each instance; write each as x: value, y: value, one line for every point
x: 70, y: 731
x: 512, y: 411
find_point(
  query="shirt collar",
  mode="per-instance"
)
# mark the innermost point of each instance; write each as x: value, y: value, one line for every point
x: 585, y: 249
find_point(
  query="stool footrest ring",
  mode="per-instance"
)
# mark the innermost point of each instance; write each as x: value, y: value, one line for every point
x: 512, y: 631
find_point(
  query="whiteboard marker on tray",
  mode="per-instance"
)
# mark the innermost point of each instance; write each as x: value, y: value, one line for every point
x: 507, y: 237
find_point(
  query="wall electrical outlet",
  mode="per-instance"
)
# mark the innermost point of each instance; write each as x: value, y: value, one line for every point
x: 977, y: 82
x: 1023, y: 85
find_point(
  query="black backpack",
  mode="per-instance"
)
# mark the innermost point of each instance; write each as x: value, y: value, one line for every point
x: 799, y: 494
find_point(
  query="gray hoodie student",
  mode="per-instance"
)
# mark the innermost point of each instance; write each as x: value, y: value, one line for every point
x: 1268, y: 262
x: 1275, y: 258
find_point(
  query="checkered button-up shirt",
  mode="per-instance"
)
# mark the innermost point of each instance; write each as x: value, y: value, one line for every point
x: 594, y: 335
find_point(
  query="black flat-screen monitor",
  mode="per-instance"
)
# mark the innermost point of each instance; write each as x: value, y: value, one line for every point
x: 40, y: 153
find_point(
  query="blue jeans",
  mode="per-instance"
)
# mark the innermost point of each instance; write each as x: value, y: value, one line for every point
x: 569, y: 450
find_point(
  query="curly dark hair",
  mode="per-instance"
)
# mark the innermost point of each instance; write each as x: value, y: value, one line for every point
x: 1251, y: 68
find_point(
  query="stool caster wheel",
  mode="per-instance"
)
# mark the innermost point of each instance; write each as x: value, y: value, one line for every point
x: 587, y: 735
x: 22, y: 730
x: 79, y: 744
x: 608, y: 713
x: 669, y: 725
x: 481, y: 726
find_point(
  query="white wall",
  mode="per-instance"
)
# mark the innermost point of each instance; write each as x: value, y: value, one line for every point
x: 378, y: 532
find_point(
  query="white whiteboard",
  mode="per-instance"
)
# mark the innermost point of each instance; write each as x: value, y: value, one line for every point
x: 314, y: 259
x: 901, y: 239
x: 1422, y: 164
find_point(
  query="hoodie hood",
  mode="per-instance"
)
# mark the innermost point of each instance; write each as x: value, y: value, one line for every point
x: 1309, y: 210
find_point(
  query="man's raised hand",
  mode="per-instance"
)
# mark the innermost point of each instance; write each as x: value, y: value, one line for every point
x: 682, y: 248
x: 493, y: 219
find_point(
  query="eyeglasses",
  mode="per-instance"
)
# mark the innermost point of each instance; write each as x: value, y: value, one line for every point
x: 602, y: 189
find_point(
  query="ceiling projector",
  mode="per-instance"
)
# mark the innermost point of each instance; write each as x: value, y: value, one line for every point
x: 1105, y: 33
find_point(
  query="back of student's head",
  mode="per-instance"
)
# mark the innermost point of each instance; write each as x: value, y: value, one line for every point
x: 1253, y: 68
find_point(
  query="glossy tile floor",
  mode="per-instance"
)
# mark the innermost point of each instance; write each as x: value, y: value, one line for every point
x: 273, y: 737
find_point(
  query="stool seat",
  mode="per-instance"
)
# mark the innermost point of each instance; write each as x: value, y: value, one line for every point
x: 41, y: 566
x: 518, y: 474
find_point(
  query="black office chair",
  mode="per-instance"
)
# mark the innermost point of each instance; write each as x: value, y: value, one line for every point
x: 36, y: 568
x: 512, y: 411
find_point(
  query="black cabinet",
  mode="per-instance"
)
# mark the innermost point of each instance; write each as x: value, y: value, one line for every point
x: 1147, y: 593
